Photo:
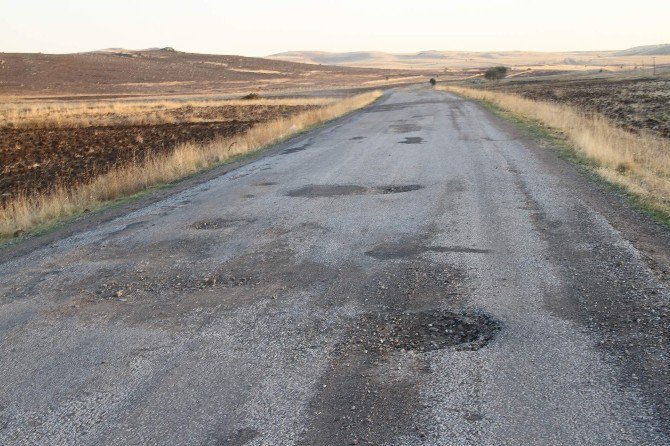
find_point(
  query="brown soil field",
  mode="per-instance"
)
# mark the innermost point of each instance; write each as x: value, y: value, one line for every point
x: 35, y: 160
x: 633, y: 103
x: 123, y: 73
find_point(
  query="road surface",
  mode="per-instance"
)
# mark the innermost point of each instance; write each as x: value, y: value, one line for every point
x: 417, y: 273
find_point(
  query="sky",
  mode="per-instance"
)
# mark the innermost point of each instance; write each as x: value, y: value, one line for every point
x: 263, y: 27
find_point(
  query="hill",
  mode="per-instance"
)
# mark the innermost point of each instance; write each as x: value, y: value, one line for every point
x: 647, y: 50
x: 117, y: 71
x: 427, y: 60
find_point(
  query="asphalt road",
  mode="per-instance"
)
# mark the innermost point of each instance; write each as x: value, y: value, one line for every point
x: 417, y: 273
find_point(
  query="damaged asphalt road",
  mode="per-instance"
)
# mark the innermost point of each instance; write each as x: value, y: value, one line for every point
x: 417, y: 273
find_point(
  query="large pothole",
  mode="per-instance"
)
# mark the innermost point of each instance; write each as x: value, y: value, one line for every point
x: 427, y: 331
x: 335, y: 190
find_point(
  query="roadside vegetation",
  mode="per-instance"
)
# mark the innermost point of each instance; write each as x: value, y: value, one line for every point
x: 68, y: 114
x: 637, y: 162
x: 25, y: 212
x: 633, y: 101
x: 495, y: 73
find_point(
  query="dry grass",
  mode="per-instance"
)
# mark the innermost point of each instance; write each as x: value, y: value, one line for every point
x: 25, y: 213
x: 638, y: 162
x: 129, y: 112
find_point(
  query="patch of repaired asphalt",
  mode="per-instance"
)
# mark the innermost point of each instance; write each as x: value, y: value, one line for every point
x: 357, y: 138
x: 266, y: 183
x: 412, y: 140
x: 336, y: 190
x: 401, y: 250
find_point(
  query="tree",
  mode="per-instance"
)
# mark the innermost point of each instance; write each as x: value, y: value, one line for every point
x: 495, y: 73
x: 433, y: 81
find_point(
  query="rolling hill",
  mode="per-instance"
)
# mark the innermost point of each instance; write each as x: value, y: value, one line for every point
x: 432, y: 59
x: 647, y: 50
x: 117, y: 71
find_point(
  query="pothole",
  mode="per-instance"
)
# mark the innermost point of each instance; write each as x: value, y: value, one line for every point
x: 398, y: 189
x: 335, y: 190
x: 427, y: 331
x: 325, y: 190
x: 412, y: 140
x: 219, y: 223
x: 295, y: 149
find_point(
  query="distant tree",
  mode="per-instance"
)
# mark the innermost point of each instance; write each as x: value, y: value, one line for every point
x: 433, y: 81
x: 495, y: 73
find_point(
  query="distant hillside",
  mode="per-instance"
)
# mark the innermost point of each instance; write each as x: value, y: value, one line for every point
x: 569, y: 60
x: 117, y: 71
x: 647, y: 50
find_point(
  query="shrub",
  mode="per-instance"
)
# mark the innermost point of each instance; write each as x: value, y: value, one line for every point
x: 251, y: 96
x: 495, y: 73
x: 433, y: 81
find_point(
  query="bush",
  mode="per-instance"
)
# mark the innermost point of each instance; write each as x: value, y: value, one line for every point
x: 433, y: 81
x: 495, y: 73
x: 251, y: 96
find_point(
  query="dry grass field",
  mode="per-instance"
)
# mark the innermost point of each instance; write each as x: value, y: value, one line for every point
x: 637, y: 160
x: 65, y: 170
x: 75, y: 114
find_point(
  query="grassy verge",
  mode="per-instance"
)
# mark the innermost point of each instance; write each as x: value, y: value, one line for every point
x: 128, y: 112
x: 638, y: 164
x: 30, y: 213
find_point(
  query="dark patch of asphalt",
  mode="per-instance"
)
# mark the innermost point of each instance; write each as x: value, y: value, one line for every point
x: 412, y: 140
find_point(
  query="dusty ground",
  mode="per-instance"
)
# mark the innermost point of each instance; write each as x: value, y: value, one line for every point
x: 37, y: 160
x: 417, y: 273
x: 639, y: 103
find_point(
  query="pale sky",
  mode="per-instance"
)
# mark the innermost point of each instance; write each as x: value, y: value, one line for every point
x: 263, y: 27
